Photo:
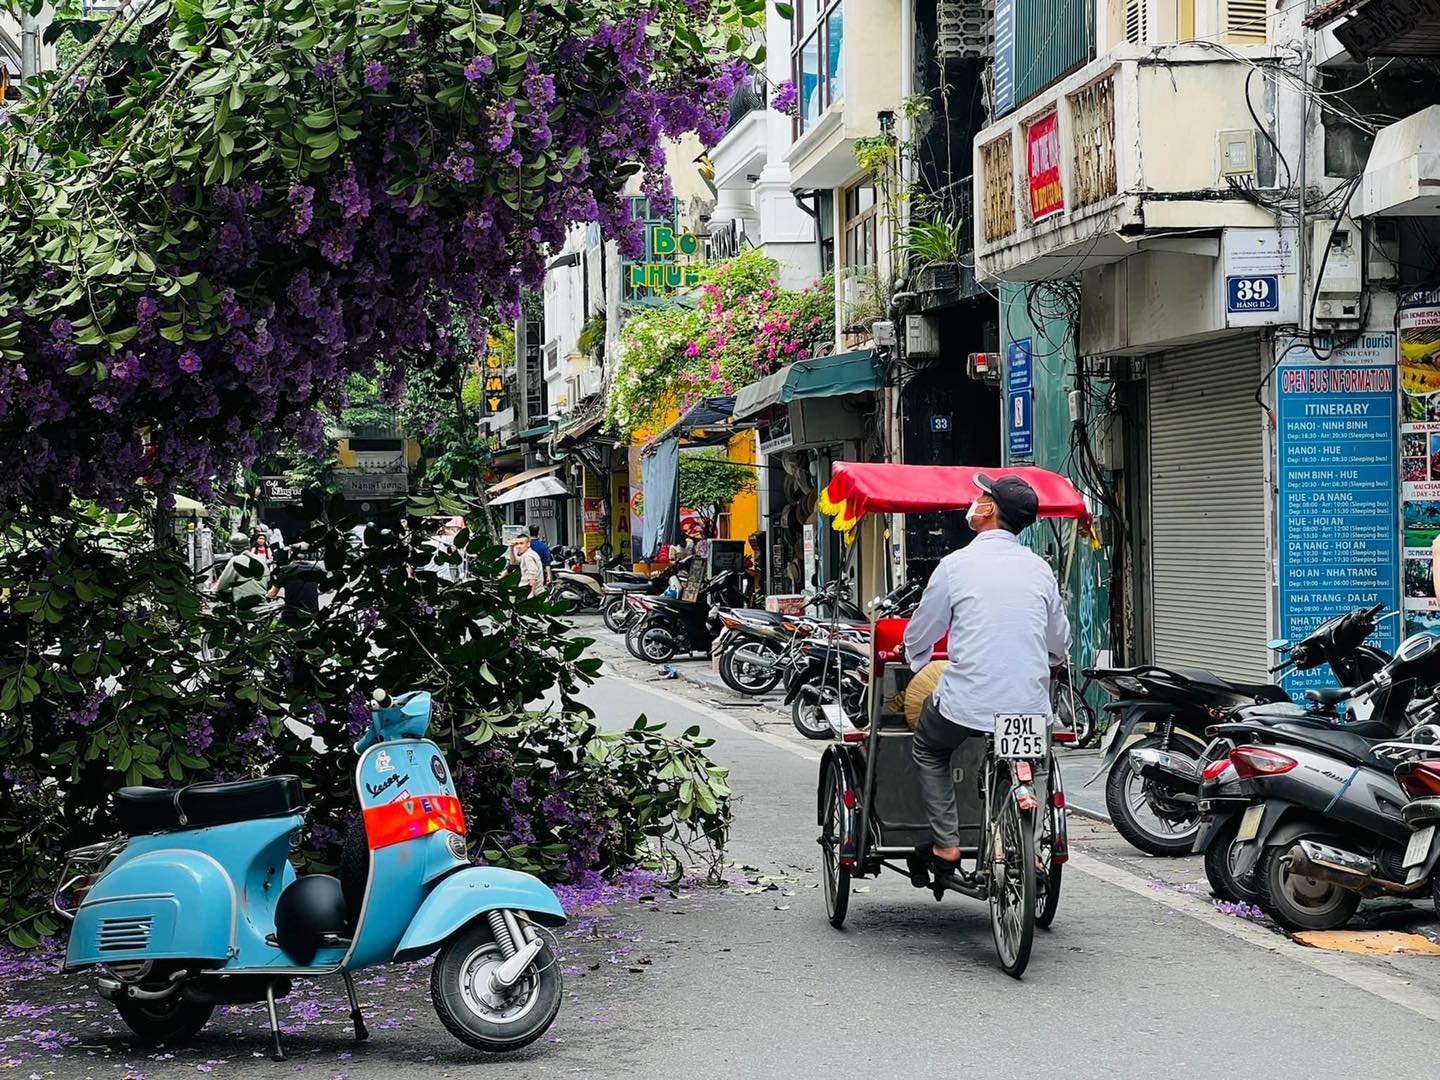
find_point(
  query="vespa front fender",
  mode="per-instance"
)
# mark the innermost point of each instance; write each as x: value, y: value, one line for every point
x: 469, y: 893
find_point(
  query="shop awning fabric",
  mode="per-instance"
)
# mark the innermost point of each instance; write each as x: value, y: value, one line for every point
x: 824, y: 376
x: 857, y: 489
x: 521, y: 478
x: 544, y: 488
x: 709, y: 422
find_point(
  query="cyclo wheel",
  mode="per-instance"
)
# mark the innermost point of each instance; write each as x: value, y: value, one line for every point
x: 834, y: 875
x: 1047, y: 877
x: 1010, y: 862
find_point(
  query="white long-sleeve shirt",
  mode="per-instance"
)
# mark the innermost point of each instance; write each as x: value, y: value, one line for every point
x: 1002, y: 606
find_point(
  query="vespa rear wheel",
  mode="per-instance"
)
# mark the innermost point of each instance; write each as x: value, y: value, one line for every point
x: 1010, y: 864
x: 478, y: 1017
x: 171, y: 1022
x: 746, y: 677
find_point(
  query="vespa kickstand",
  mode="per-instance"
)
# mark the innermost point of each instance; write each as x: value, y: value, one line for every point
x: 277, y: 1047
x: 361, y: 1032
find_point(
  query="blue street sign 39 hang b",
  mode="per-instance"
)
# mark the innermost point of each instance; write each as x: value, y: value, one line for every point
x: 1020, y: 422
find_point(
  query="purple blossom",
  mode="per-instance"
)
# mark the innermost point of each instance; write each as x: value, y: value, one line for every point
x: 189, y: 361
x: 61, y: 330
x: 300, y: 199
x: 377, y: 76
x: 479, y: 67
x: 328, y: 67
x: 200, y: 735
x: 146, y: 308
x: 785, y: 98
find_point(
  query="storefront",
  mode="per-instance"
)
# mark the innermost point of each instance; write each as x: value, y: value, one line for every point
x: 810, y: 414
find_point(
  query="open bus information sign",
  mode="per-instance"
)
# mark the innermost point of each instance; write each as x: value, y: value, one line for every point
x: 1338, y: 472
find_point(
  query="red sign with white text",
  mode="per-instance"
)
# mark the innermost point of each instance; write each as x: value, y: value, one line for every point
x: 1042, y: 140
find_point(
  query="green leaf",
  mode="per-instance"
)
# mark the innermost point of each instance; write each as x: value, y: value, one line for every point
x: 785, y: 11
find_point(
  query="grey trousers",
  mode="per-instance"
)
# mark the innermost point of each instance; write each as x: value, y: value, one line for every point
x: 935, y: 740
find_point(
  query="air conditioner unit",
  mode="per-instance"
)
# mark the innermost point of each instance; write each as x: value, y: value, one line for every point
x: 922, y: 336
x: 588, y: 383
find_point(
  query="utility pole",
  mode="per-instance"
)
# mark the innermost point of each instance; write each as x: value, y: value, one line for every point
x: 29, y: 45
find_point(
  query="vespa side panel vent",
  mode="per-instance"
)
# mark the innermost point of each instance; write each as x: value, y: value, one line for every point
x: 125, y: 933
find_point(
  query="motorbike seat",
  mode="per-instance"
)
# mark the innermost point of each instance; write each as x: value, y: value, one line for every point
x: 626, y: 577
x: 140, y: 810
x: 1262, y: 692
x: 1347, y: 745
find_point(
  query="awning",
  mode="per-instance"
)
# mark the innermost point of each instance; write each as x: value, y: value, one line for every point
x: 709, y: 422
x: 824, y: 376
x: 857, y: 489
x: 521, y: 478
x: 535, y: 432
x: 578, y: 431
x: 188, y: 507
x: 544, y: 488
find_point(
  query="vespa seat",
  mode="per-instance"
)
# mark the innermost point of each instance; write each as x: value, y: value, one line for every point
x: 141, y: 810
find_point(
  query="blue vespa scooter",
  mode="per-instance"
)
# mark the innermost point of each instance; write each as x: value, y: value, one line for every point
x: 200, y: 906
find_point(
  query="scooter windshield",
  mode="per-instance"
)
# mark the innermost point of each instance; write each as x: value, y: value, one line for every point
x: 408, y: 717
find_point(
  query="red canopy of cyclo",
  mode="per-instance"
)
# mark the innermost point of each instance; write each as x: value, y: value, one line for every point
x: 858, y: 488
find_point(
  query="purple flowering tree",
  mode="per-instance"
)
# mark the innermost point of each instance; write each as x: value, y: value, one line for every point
x: 211, y: 220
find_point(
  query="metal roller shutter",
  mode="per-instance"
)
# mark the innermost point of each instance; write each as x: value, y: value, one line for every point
x: 1208, y: 575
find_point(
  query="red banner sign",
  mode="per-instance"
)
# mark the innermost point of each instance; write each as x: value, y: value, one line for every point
x: 1047, y: 197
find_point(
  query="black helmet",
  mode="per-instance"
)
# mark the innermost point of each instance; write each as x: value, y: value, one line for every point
x: 308, y: 908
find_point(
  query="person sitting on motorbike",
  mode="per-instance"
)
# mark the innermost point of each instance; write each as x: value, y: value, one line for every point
x: 246, y: 575
x: 1001, y: 604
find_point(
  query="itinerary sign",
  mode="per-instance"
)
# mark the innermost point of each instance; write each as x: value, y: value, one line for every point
x: 1337, y: 467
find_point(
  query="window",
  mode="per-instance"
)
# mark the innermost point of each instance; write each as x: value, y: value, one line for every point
x: 858, y: 229
x: 818, y: 58
x: 825, y: 205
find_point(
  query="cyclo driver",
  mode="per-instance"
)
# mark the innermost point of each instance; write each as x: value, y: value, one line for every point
x: 1001, y: 604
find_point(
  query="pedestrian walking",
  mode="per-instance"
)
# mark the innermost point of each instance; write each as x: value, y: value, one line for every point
x: 542, y: 549
x: 524, y: 556
x: 246, y: 575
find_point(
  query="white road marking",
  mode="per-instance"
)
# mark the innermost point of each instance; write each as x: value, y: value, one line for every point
x: 1347, y: 969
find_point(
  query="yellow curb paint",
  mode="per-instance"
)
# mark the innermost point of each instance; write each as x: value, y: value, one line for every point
x: 1370, y: 942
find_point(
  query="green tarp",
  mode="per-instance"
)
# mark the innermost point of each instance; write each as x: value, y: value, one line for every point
x: 824, y: 376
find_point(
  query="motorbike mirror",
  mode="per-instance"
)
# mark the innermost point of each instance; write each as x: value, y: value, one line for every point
x: 381, y: 699
x: 1279, y: 645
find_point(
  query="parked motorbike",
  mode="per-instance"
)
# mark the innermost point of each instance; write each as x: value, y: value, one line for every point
x: 758, y: 649
x: 199, y: 905
x: 1152, y: 790
x: 666, y: 627
x: 1325, y: 827
x: 572, y: 585
x: 616, y: 613
x: 834, y: 669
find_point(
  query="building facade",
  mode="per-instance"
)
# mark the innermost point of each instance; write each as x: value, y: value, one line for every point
x: 1205, y: 228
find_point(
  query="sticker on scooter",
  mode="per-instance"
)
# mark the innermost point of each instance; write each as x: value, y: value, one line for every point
x: 402, y: 797
x: 394, y: 780
x: 438, y: 768
x: 383, y: 762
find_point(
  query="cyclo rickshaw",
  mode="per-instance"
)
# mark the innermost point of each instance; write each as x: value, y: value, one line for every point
x: 1007, y: 786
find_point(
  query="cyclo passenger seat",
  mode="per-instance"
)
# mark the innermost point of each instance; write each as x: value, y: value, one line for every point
x: 147, y: 810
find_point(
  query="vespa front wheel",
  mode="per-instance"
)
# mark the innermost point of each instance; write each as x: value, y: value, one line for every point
x: 171, y: 1022
x: 478, y: 1014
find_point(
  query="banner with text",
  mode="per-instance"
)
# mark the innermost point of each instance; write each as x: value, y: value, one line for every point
x: 1420, y: 455
x: 1338, y: 479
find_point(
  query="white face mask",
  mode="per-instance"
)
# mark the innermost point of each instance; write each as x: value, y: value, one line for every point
x: 970, y: 514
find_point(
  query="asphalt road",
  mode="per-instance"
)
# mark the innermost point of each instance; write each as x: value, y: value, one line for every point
x: 1139, y: 978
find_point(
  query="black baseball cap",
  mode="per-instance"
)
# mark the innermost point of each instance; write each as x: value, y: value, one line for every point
x: 1017, y: 501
